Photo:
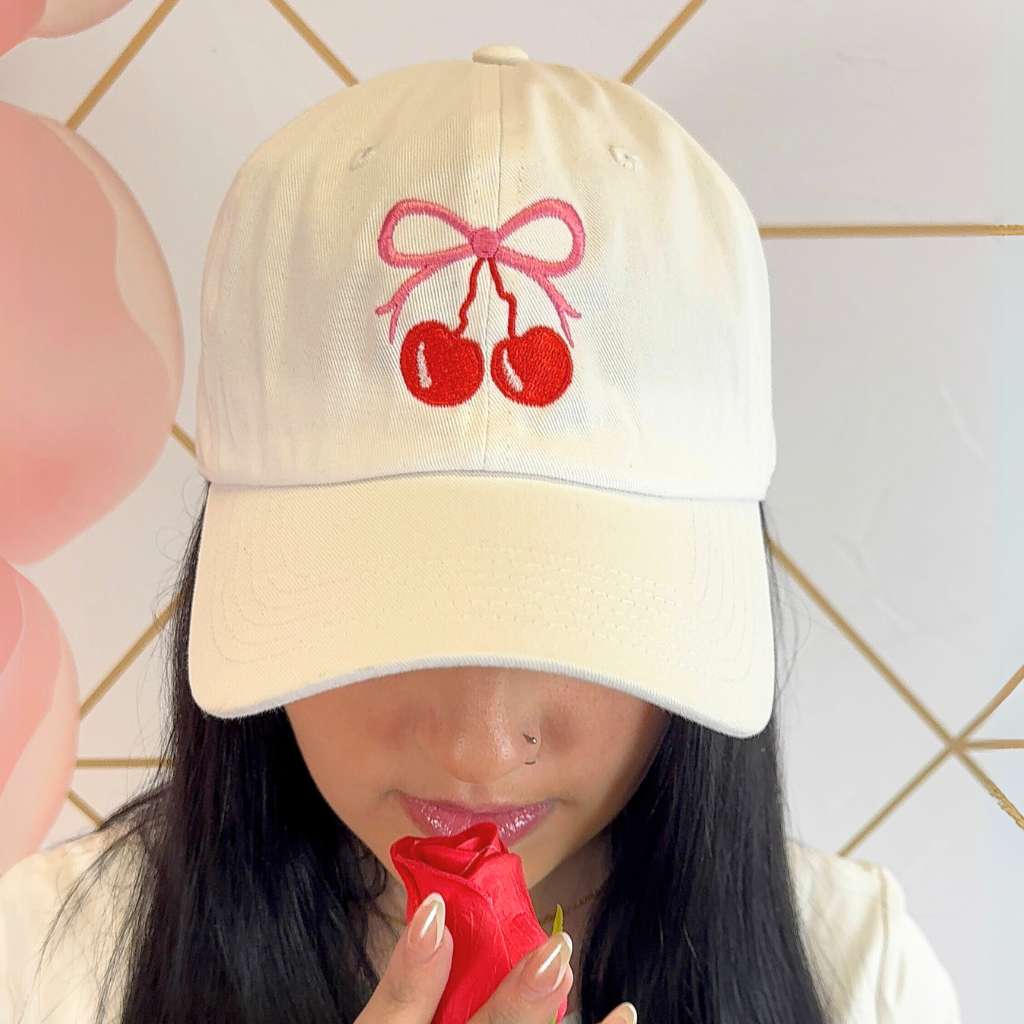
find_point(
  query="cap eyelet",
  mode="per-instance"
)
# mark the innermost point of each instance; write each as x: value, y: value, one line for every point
x: 361, y: 157
x: 624, y: 158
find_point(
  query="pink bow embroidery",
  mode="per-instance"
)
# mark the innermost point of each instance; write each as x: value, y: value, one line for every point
x: 484, y: 243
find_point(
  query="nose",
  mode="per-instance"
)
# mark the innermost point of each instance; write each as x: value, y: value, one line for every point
x: 479, y: 734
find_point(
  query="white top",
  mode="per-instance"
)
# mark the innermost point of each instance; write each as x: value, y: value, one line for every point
x: 854, y: 913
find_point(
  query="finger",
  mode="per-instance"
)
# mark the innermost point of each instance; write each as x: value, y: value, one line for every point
x: 531, y: 992
x: 417, y: 973
x: 624, y: 1013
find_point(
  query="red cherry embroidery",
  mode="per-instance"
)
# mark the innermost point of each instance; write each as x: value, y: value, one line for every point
x: 439, y: 366
x: 533, y: 369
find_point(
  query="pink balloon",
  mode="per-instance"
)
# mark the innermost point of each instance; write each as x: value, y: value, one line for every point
x: 27, y: 670
x: 39, y: 717
x: 91, y: 352
x: 20, y: 19
x: 17, y: 20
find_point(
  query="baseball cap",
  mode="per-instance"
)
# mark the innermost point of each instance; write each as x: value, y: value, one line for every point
x: 485, y: 380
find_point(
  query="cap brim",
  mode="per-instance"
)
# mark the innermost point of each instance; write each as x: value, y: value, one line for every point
x: 300, y: 589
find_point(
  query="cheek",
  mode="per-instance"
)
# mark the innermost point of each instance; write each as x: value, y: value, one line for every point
x: 623, y: 742
x: 339, y: 756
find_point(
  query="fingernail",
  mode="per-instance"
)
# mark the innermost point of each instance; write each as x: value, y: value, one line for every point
x: 544, y: 973
x: 627, y: 1015
x: 426, y: 929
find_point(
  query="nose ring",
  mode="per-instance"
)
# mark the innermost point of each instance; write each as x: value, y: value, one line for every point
x: 531, y: 739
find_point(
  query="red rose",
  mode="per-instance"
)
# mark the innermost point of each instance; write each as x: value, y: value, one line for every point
x: 488, y: 910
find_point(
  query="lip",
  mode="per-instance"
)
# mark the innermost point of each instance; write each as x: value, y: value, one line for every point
x: 442, y: 818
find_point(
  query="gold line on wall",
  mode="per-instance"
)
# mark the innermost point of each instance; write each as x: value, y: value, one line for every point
x: 640, y: 65
x: 952, y: 744
x: 183, y: 439
x: 87, y: 809
x: 851, y: 844
x: 319, y: 47
x: 988, y: 709
x: 119, y: 762
x: 124, y: 58
x: 861, y: 644
x: 995, y: 745
x: 971, y: 765
x: 127, y: 658
x: 954, y: 747
x: 990, y: 787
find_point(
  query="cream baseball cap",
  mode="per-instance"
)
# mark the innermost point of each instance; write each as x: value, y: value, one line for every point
x: 485, y: 380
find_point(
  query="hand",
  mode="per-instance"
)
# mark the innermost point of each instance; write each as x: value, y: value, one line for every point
x: 414, y: 979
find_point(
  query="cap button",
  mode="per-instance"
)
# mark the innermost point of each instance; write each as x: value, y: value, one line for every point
x: 499, y: 55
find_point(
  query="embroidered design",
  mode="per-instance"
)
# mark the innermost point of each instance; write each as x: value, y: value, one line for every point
x: 439, y: 364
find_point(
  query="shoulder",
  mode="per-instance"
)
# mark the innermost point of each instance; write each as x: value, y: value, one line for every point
x: 33, y: 886
x: 875, y: 960
x: 54, y: 865
x: 32, y: 891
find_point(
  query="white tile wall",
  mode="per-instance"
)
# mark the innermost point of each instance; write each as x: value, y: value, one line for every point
x: 897, y: 365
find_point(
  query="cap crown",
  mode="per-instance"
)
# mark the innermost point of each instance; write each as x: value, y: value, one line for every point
x: 638, y: 354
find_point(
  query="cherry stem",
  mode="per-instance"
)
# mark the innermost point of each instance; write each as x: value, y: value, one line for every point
x: 509, y: 298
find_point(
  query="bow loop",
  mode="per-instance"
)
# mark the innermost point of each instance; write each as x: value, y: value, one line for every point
x: 483, y: 243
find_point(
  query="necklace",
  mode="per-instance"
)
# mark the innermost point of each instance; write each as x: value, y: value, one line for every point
x: 544, y: 920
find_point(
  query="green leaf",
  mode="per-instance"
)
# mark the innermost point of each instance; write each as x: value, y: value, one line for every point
x: 557, y: 927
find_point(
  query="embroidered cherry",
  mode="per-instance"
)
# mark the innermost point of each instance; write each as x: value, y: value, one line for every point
x: 439, y: 366
x: 533, y: 369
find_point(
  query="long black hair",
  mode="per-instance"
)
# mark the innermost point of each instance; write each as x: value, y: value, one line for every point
x: 249, y: 898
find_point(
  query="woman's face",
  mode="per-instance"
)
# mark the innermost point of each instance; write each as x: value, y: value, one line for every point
x: 457, y: 734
